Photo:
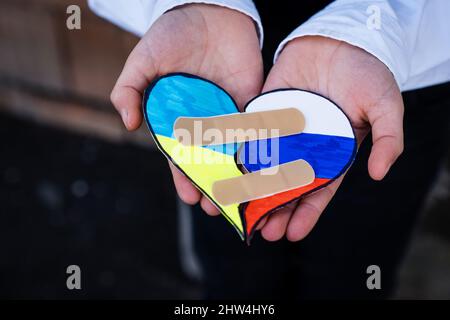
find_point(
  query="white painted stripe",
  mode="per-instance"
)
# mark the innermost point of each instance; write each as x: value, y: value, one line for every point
x: 321, y: 115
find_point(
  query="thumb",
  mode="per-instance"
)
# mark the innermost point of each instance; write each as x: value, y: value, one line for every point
x: 386, y: 121
x: 126, y: 96
x: 275, y: 80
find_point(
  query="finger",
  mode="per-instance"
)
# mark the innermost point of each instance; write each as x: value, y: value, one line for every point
x: 283, y: 75
x: 261, y: 223
x: 276, y: 224
x: 185, y: 189
x: 208, y: 206
x: 387, y: 137
x: 274, y: 81
x: 309, y: 210
x: 126, y: 95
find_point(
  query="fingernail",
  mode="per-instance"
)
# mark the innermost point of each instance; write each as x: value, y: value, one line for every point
x: 124, y: 115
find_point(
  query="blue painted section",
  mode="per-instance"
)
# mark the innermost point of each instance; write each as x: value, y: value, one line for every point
x: 229, y: 148
x: 328, y: 155
x: 178, y: 95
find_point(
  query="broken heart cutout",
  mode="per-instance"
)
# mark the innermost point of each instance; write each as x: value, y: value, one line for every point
x: 327, y: 142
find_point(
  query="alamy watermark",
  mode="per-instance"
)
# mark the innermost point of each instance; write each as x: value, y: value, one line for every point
x: 374, y: 280
x: 263, y: 150
x: 73, y: 21
x: 73, y: 281
x: 373, y: 22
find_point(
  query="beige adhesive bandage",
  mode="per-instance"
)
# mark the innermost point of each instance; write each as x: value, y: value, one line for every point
x: 263, y: 183
x: 238, y: 127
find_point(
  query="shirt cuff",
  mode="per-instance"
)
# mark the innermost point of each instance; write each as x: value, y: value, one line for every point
x: 138, y: 17
x: 349, y: 23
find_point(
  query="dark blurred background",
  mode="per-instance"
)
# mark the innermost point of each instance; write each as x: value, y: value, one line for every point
x: 76, y: 188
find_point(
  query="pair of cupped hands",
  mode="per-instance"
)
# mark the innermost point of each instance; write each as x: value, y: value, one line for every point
x: 222, y: 45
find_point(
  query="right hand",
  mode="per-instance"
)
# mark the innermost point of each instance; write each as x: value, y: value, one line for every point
x: 366, y: 91
x: 210, y: 41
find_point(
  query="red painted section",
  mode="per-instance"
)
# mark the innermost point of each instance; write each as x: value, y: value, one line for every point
x: 258, y: 208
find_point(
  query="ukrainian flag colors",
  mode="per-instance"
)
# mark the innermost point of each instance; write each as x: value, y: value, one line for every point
x: 182, y: 95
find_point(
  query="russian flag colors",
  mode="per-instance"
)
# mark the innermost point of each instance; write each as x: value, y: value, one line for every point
x: 327, y: 143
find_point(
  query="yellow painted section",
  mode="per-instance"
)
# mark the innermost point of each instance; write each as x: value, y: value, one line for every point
x: 204, y: 167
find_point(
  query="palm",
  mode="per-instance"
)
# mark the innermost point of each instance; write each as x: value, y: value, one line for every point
x: 213, y: 42
x: 209, y: 41
x: 366, y: 91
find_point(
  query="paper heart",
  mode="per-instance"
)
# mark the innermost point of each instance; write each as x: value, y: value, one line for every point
x: 327, y: 142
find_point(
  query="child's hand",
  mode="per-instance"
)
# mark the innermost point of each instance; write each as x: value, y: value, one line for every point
x: 210, y: 41
x: 367, y: 92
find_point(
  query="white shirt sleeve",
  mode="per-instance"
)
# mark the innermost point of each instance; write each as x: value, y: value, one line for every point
x: 137, y: 16
x: 412, y: 38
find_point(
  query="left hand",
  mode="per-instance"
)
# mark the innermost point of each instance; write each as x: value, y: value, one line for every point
x: 210, y: 41
x: 366, y: 91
